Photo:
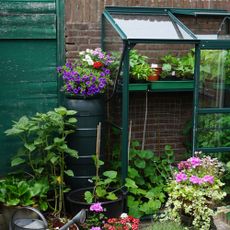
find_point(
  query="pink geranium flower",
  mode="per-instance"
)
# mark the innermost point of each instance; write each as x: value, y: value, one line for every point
x: 208, y: 178
x: 181, y: 177
x: 96, y: 207
x: 195, y: 180
x: 195, y: 161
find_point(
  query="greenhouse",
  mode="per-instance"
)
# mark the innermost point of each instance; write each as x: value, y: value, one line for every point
x: 205, y: 31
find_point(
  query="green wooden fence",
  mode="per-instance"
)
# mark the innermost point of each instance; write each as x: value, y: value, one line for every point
x: 31, y: 47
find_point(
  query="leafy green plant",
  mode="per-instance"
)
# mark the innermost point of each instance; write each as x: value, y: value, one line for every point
x: 102, y: 189
x: 44, y: 148
x: 179, y: 67
x: 23, y: 192
x: 139, y: 66
x: 147, y: 177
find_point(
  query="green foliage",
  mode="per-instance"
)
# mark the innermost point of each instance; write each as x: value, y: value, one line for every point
x: 102, y: 184
x: 139, y: 66
x: 183, y: 67
x: 214, y: 130
x: 147, y: 178
x: 44, y: 148
x: 15, y: 191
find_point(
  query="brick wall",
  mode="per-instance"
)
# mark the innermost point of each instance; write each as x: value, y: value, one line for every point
x: 167, y: 112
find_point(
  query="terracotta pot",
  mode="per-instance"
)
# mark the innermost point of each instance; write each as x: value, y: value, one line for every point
x: 153, y: 77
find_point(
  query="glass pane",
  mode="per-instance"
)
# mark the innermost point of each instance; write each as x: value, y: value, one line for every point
x: 213, y: 130
x: 214, y: 79
x: 208, y: 27
x: 149, y: 27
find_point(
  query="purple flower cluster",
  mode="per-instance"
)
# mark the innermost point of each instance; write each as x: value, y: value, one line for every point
x: 88, y: 76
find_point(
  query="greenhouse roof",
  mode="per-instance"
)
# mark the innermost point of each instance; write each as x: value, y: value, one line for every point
x: 148, y: 24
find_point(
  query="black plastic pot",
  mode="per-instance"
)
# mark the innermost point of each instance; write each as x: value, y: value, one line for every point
x: 75, y: 202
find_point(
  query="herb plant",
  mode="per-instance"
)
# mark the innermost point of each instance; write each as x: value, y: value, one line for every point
x: 44, y: 147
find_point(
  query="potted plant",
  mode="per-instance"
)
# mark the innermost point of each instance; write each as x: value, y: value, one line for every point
x: 139, y: 67
x: 194, y: 191
x: 85, y: 81
x: 43, y: 150
x: 104, y: 191
x: 178, y: 68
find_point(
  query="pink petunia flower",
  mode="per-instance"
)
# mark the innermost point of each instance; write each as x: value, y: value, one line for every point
x: 181, y: 177
x: 96, y: 207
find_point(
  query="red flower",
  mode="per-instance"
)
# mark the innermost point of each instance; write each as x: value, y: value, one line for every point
x: 97, y: 64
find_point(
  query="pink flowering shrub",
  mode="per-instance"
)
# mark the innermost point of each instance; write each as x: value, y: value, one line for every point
x: 195, y: 189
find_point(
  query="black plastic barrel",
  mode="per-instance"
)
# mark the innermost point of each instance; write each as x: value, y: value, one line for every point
x: 90, y: 111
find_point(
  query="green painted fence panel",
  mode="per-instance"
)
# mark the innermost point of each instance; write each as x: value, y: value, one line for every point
x: 28, y: 61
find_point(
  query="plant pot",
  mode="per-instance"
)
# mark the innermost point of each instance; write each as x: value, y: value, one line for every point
x: 75, y: 202
x: 90, y: 111
x: 154, y: 77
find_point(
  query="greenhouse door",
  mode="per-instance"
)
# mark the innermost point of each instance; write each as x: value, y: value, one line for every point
x: 29, y: 53
x: 212, y: 100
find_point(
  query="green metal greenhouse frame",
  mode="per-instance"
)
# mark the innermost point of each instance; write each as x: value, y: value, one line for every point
x: 115, y: 17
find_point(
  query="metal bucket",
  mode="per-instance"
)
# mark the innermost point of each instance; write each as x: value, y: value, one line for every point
x: 28, y: 218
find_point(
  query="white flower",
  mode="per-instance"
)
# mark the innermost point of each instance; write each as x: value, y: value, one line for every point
x: 82, y: 52
x: 124, y: 215
x: 88, y: 59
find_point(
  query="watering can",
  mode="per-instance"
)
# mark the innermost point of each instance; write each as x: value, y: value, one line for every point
x: 28, y: 218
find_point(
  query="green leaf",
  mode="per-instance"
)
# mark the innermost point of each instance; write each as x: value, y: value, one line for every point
x: 69, y: 172
x: 88, y: 197
x: 72, y: 152
x: 39, y: 170
x: 130, y: 183
x: 110, y: 174
x: 140, y: 163
x: 17, y: 161
x: 43, y: 205
x: 71, y: 112
x: 54, y: 159
x: 101, y: 192
x: 13, y: 202
x: 72, y: 120
x: 30, y: 147
x: 111, y: 196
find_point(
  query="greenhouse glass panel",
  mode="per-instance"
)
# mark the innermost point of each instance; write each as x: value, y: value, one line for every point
x: 213, y: 130
x: 214, y: 84
x: 150, y: 27
x: 217, y: 27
